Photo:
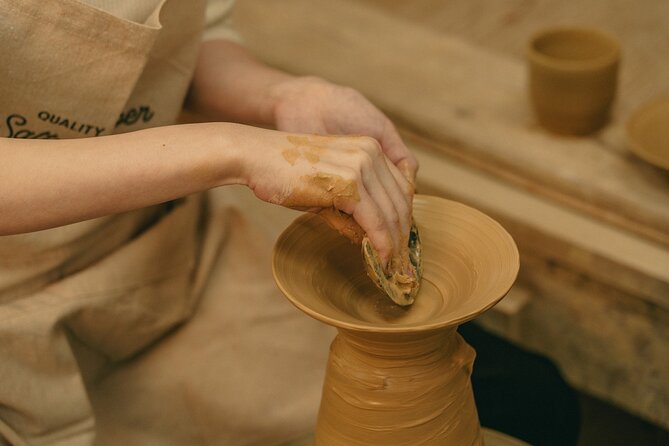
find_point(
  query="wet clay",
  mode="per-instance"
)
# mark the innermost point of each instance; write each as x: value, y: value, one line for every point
x: 344, y: 224
x: 321, y: 190
x: 399, y: 375
x: 400, y: 277
x: 400, y: 280
x: 291, y: 155
x: 324, y: 193
x: 304, y: 147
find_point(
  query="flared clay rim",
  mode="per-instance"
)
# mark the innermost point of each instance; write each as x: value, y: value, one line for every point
x: 605, y: 59
x: 371, y: 328
x: 636, y: 143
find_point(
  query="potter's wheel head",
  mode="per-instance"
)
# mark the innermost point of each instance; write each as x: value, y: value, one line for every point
x: 469, y: 264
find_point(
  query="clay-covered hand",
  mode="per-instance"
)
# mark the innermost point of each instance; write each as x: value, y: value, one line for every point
x: 346, y: 179
x: 313, y: 105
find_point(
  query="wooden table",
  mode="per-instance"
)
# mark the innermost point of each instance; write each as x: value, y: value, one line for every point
x: 591, y: 220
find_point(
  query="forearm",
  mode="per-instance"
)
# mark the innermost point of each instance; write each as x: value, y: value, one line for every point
x: 48, y: 183
x: 229, y: 84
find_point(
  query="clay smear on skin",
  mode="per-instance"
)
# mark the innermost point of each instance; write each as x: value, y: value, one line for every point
x: 343, y: 223
x: 304, y: 147
x: 400, y: 275
x: 291, y: 155
x: 322, y: 190
x: 328, y: 193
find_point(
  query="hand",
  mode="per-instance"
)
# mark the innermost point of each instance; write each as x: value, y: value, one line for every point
x: 312, y: 105
x: 230, y: 85
x: 338, y: 177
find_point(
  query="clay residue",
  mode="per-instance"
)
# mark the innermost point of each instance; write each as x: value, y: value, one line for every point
x: 344, y: 224
x: 400, y: 279
x: 326, y: 194
x: 291, y: 155
x: 322, y: 190
x: 305, y: 147
x: 306, y: 140
x: 313, y: 154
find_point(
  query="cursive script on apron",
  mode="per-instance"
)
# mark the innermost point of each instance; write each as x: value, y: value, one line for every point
x: 19, y: 127
x: 134, y: 114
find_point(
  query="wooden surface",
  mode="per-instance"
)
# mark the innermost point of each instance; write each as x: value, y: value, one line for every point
x: 503, y: 26
x: 591, y: 220
x: 606, y: 337
x: 469, y: 99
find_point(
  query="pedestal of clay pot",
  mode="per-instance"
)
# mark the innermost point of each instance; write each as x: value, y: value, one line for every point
x: 399, y: 375
x: 394, y: 388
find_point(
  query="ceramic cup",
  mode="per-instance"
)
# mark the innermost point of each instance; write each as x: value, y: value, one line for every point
x: 572, y: 78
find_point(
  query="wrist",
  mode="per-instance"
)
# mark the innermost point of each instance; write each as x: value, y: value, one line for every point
x: 223, y: 153
x: 283, y: 94
x: 243, y: 150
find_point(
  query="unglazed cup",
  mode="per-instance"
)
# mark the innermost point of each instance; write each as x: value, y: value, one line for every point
x: 573, y: 73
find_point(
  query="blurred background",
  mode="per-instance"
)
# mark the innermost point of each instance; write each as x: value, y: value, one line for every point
x: 591, y: 219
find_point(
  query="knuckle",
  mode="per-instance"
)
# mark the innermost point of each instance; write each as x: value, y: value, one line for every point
x: 370, y: 146
x: 350, y: 92
x: 363, y: 161
x: 350, y: 175
x: 395, y: 219
x: 380, y: 223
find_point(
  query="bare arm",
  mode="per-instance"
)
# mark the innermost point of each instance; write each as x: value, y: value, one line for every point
x: 230, y: 84
x: 47, y: 183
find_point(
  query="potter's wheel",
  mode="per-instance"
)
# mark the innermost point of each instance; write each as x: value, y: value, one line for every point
x: 469, y: 263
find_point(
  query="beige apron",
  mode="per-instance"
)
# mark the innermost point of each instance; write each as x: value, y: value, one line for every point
x: 85, y: 308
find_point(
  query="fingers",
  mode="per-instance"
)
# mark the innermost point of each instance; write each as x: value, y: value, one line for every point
x: 387, y: 216
x: 405, y: 186
x: 398, y: 152
x: 384, y: 192
x: 394, y: 188
x: 372, y: 220
x: 368, y: 210
x: 350, y: 175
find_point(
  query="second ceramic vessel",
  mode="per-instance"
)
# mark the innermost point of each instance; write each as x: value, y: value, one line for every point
x: 573, y: 73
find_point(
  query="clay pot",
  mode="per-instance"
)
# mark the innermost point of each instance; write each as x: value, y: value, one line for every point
x: 573, y: 74
x: 399, y: 375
